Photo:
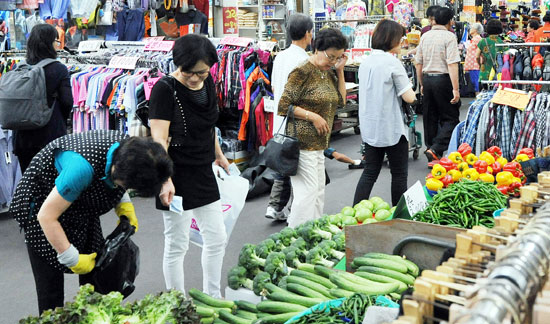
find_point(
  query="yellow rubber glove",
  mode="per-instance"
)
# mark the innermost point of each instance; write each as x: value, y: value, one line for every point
x: 127, y: 209
x: 86, y: 263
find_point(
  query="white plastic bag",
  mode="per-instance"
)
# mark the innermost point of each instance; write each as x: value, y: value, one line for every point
x: 233, y: 190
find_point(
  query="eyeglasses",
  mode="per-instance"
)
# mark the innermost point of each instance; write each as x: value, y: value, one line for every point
x: 57, y: 41
x: 331, y: 58
x: 200, y: 74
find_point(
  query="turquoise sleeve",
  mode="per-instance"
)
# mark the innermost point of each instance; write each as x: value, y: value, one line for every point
x: 75, y: 174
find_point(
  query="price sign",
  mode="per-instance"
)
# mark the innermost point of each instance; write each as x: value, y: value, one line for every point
x: 267, y: 46
x: 123, y: 62
x: 230, y: 25
x: 358, y: 53
x: 160, y: 46
x: 415, y: 199
x: 512, y: 97
x: 269, y: 105
x: 89, y: 46
x: 236, y: 41
x: 154, y: 39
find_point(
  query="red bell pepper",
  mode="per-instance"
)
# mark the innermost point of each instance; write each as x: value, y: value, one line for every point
x: 513, y: 167
x: 528, y: 151
x: 429, y: 176
x: 496, y: 168
x: 447, y: 164
x: 464, y: 149
x: 495, y: 151
x: 481, y: 166
x: 431, y: 164
x: 503, y: 189
x: 447, y: 180
x: 514, y: 188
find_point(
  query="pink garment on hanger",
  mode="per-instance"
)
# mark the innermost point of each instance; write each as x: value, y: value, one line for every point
x: 390, y: 4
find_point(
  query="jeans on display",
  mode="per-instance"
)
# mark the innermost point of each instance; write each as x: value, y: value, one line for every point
x: 280, y: 192
x: 398, y: 157
x: 49, y: 282
x: 308, y: 188
x: 176, y: 243
x: 439, y: 114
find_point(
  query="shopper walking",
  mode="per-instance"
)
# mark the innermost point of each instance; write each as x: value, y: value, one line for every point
x: 67, y: 186
x: 315, y: 91
x: 383, y: 83
x: 437, y: 62
x: 183, y: 114
x: 487, y: 51
x: 300, y: 30
x: 470, y: 63
x: 40, y: 45
x: 430, y: 13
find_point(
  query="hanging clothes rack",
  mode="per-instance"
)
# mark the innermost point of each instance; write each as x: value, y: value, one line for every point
x: 528, y: 82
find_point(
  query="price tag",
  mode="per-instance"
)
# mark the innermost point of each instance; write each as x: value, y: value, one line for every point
x: 159, y: 46
x: 269, y: 105
x: 512, y: 97
x: 230, y: 25
x: 415, y: 199
x: 89, y: 46
x: 236, y: 41
x: 154, y: 39
x: 267, y: 46
x: 358, y: 53
x: 123, y: 62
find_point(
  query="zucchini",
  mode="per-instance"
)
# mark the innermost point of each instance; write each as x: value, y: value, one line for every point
x: 216, y: 309
x: 233, y: 319
x: 304, y: 291
x: 207, y: 320
x: 278, y: 319
x: 246, y: 305
x: 307, y: 267
x: 309, y: 284
x: 204, y: 311
x: 289, y: 297
x: 271, y: 288
x: 211, y: 301
x: 313, y: 277
x: 341, y: 293
x: 412, y: 268
x: 370, y: 290
x: 381, y: 263
x: 395, y: 296
x: 379, y: 278
x: 276, y: 307
x: 246, y: 314
x: 219, y: 321
x: 323, y: 271
x: 262, y: 314
x: 403, y: 277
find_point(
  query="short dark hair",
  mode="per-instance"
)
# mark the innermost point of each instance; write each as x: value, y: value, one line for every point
x: 430, y: 12
x: 142, y: 164
x: 546, y: 17
x: 40, y: 43
x: 298, y: 25
x: 494, y: 27
x: 387, y: 35
x: 535, y: 24
x: 330, y: 38
x: 192, y: 48
x: 443, y: 15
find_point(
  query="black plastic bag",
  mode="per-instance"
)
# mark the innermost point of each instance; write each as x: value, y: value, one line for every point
x: 117, y: 264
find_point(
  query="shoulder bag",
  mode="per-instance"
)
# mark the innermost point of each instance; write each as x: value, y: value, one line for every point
x: 283, y: 151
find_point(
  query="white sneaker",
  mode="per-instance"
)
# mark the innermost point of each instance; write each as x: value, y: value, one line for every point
x: 271, y: 213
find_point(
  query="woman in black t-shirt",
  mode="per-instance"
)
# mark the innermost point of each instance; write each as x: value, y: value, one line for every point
x: 182, y: 113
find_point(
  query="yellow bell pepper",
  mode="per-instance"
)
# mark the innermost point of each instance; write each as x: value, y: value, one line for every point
x: 456, y: 157
x: 462, y: 166
x: 502, y: 161
x: 434, y: 184
x: 438, y: 171
x: 505, y: 178
x: 471, y: 159
x: 516, y: 179
x: 486, y: 177
x: 471, y: 174
x: 521, y: 158
x: 457, y: 175
x: 487, y: 157
x: 489, y: 170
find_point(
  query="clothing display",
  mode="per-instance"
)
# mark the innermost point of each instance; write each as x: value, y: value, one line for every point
x: 403, y: 13
x: 193, y: 17
x: 10, y: 172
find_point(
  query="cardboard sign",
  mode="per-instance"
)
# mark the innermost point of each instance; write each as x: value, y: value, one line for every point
x: 160, y: 46
x: 123, y: 62
x: 236, y: 41
x: 89, y: 46
x: 230, y: 25
x: 512, y: 98
x: 415, y: 199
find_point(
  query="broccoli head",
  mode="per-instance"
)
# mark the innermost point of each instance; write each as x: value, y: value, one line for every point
x: 275, y: 265
x: 300, y: 244
x: 288, y: 235
x: 293, y: 255
x: 325, y: 225
x: 248, y: 258
x: 318, y: 256
x: 277, y: 238
x: 330, y: 248
x: 260, y: 281
x: 282, y: 283
x: 265, y: 247
x: 313, y: 234
x: 237, y: 278
x: 340, y: 240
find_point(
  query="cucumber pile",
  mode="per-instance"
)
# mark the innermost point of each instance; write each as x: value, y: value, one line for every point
x: 385, y: 268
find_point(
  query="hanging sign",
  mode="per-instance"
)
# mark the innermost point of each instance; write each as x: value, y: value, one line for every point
x: 266, y: 45
x: 236, y: 41
x: 154, y: 39
x: 358, y: 53
x: 269, y: 105
x: 123, y: 62
x: 89, y: 46
x: 512, y: 97
x: 230, y: 25
x: 415, y: 199
x: 160, y: 46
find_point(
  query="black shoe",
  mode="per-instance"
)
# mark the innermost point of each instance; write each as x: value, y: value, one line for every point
x: 431, y: 155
